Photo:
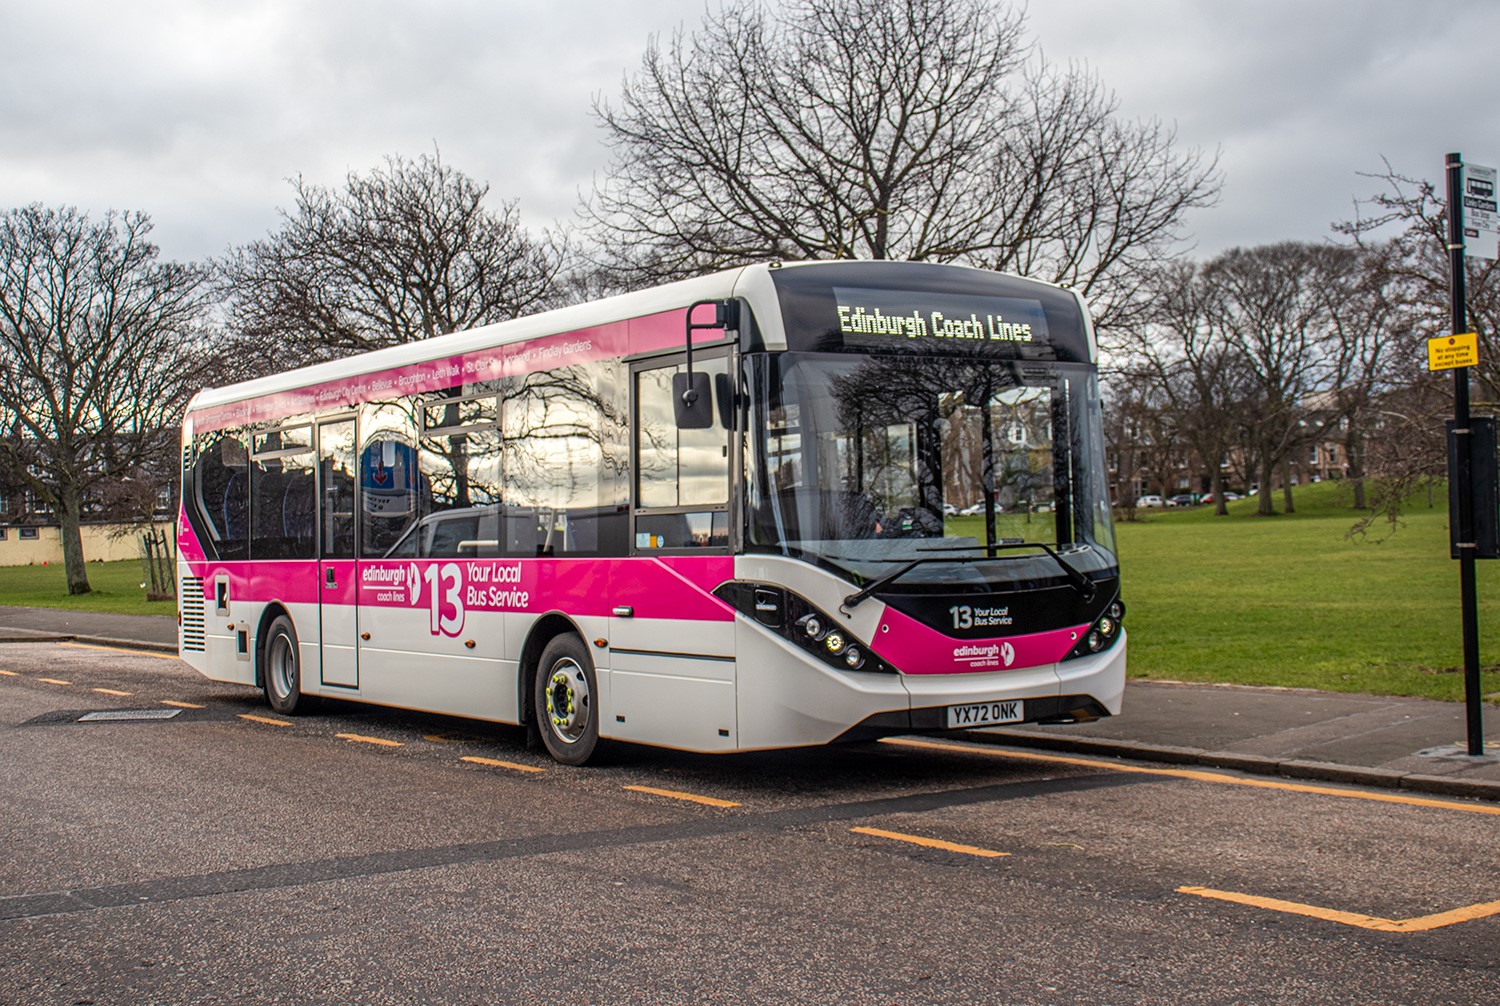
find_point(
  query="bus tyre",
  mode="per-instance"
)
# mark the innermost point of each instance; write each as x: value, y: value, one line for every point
x: 567, y: 695
x: 282, y: 666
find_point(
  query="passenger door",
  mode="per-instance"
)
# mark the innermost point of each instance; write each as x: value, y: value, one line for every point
x: 672, y: 669
x: 338, y: 613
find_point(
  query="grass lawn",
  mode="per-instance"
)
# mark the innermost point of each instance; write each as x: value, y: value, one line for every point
x: 1289, y: 600
x: 117, y: 589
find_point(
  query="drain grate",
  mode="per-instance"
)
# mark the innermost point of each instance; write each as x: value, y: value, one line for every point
x: 129, y: 714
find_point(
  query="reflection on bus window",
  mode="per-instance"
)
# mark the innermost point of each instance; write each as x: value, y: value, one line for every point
x: 565, y: 461
x: 677, y: 467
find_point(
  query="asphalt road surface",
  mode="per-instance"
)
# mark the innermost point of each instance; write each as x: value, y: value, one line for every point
x: 359, y: 855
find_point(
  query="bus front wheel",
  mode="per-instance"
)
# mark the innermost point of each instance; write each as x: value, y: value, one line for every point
x: 282, y: 669
x: 567, y: 701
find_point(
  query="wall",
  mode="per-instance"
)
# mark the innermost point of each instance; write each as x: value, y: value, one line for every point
x: 47, y: 545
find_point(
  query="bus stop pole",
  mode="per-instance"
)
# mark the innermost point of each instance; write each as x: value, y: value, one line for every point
x: 1464, y: 533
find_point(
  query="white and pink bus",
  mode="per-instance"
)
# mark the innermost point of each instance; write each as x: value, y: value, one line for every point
x: 780, y: 505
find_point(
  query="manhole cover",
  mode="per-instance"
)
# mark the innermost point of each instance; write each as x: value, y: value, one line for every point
x: 129, y: 714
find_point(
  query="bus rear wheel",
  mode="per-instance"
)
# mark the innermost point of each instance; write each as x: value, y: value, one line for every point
x: 281, y: 667
x: 567, y: 701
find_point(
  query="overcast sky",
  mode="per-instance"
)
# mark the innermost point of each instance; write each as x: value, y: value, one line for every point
x: 198, y: 111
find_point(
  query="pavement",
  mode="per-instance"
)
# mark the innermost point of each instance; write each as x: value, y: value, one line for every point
x: 1418, y: 745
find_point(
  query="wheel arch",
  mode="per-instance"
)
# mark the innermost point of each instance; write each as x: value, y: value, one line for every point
x: 271, y: 612
x: 545, y: 629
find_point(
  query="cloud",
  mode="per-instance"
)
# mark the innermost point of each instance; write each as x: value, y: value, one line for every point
x: 198, y: 112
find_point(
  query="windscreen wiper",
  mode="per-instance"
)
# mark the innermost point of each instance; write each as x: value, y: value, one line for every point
x: 1076, y: 580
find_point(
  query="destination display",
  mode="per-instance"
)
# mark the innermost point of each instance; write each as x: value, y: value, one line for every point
x: 877, y: 319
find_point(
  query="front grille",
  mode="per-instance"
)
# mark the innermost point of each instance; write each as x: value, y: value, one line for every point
x: 193, y: 604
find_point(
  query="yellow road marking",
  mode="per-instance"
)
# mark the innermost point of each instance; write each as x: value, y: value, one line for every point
x: 111, y: 691
x: 438, y: 739
x: 1202, y: 776
x: 10, y: 674
x: 493, y: 763
x: 264, y: 719
x: 1421, y: 923
x: 931, y: 843
x: 122, y: 649
x: 362, y: 739
x: 54, y: 681
x: 182, y: 705
x: 690, y: 797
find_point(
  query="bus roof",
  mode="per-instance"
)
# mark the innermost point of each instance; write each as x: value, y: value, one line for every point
x: 752, y: 283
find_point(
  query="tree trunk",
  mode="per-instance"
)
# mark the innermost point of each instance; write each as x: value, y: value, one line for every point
x: 1352, y: 469
x: 70, y: 513
x: 1216, y: 486
x: 1264, y: 507
x: 1286, y: 485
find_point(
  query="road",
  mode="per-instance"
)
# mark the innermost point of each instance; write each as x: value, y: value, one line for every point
x: 359, y: 855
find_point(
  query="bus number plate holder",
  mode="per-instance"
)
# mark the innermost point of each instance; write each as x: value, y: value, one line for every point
x: 986, y: 714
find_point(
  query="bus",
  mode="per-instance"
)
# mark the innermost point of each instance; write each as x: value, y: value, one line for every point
x: 782, y: 505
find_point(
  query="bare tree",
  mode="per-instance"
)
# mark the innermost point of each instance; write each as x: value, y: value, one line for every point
x: 917, y: 130
x: 100, y: 348
x: 1410, y: 216
x: 1405, y: 223
x: 1377, y: 334
x: 1197, y: 375
x: 401, y: 254
x: 1275, y: 306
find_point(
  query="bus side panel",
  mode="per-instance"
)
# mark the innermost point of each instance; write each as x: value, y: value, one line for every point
x: 421, y: 646
x: 671, y: 683
x: 653, y: 706
x: 404, y: 665
x: 234, y: 597
x: 671, y: 658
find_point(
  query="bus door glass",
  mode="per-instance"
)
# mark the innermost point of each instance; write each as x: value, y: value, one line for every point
x: 338, y: 613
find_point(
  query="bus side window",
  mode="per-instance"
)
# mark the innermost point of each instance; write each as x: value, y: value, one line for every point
x: 676, y: 467
x: 220, y: 500
x: 681, y: 475
x: 564, y: 454
x: 457, y: 475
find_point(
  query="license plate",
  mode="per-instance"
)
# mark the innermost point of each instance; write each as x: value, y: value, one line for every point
x: 984, y: 714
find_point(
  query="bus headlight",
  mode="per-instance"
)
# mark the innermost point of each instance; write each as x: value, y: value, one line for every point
x: 816, y: 633
x: 1106, y: 631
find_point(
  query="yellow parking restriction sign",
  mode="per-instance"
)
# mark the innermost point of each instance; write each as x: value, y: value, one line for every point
x: 1448, y: 352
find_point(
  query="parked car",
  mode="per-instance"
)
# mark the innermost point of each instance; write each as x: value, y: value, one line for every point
x: 1149, y: 502
x: 1185, y: 499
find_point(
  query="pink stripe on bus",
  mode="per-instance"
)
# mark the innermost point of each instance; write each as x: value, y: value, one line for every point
x: 918, y: 649
x: 679, y: 587
x: 585, y: 345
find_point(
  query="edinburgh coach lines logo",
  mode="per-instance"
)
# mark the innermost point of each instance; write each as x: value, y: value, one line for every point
x: 989, y: 655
